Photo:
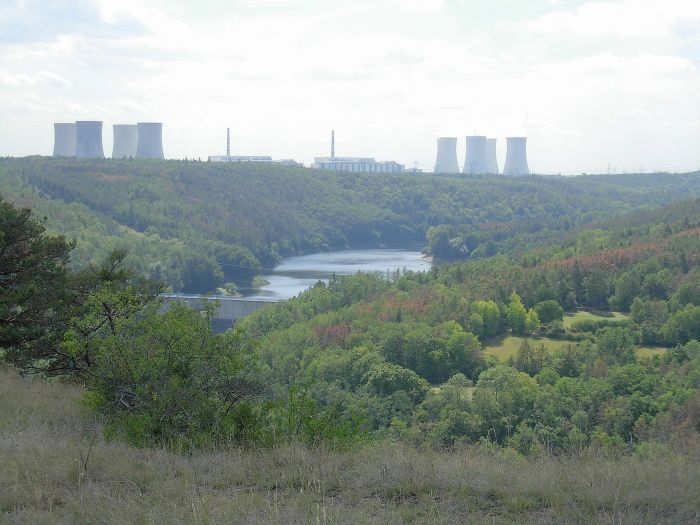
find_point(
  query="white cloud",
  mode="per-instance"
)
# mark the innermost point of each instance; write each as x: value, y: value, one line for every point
x: 420, y: 6
x: 623, y: 18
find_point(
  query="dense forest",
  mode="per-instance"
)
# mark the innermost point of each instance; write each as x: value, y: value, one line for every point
x: 407, y: 356
x: 198, y: 225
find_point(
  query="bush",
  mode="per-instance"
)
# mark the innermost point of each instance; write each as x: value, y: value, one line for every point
x: 166, y: 378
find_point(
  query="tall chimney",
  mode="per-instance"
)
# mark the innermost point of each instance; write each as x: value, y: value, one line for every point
x: 333, y: 144
x: 228, y: 142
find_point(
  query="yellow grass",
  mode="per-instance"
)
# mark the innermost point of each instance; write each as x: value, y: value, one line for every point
x: 55, y: 468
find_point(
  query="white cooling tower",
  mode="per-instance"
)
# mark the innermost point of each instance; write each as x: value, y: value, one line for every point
x: 491, y: 157
x: 446, y: 155
x: 125, y: 138
x: 475, y: 159
x: 516, y: 158
x: 89, y: 139
x: 64, y: 139
x: 150, y: 140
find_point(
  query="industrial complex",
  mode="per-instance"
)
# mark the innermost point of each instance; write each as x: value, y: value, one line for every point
x: 247, y: 158
x: 83, y: 139
x: 355, y: 164
x: 480, y: 156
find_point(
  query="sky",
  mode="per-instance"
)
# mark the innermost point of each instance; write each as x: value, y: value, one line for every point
x: 596, y: 86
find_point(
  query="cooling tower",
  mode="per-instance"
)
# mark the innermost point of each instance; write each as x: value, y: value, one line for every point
x: 491, y: 157
x: 446, y: 155
x: 89, y: 139
x: 516, y: 158
x: 150, y: 140
x: 125, y: 136
x: 64, y: 140
x: 475, y: 159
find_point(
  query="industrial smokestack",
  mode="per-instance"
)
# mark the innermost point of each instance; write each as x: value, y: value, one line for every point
x: 64, y: 139
x: 333, y: 144
x: 150, y: 140
x: 475, y: 159
x: 125, y: 139
x: 228, y: 142
x: 446, y: 161
x: 491, y: 157
x: 88, y: 143
x: 516, y: 158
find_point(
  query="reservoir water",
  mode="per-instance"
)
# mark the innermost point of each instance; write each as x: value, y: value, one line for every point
x: 296, y: 274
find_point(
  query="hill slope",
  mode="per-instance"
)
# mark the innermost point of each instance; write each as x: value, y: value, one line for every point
x: 54, y: 470
x: 196, y: 224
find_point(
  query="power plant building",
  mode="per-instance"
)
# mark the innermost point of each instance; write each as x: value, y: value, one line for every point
x: 491, y: 157
x: 516, y: 157
x: 125, y: 141
x: 150, y: 140
x: 88, y: 135
x: 355, y: 164
x: 475, y: 161
x: 446, y: 161
x: 64, y: 139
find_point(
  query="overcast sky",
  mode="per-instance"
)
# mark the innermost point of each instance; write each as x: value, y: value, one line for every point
x: 591, y: 83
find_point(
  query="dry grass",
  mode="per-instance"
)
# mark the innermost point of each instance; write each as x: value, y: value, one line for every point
x: 47, y: 477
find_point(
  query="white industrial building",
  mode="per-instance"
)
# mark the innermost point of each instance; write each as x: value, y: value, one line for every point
x: 355, y: 164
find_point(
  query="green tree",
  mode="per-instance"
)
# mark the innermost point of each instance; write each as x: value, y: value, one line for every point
x: 517, y: 315
x: 490, y: 315
x: 549, y: 311
x: 34, y: 281
x: 386, y: 378
x: 165, y: 378
x: 615, y: 345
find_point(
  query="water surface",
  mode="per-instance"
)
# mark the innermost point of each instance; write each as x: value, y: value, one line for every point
x: 296, y: 274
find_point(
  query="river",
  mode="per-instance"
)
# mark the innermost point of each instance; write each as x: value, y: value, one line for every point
x: 296, y: 274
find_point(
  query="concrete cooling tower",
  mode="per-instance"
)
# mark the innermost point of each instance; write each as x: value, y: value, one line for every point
x: 89, y: 139
x: 150, y: 140
x: 64, y: 140
x: 125, y: 138
x: 491, y: 157
x: 446, y: 155
x: 516, y: 157
x: 475, y: 159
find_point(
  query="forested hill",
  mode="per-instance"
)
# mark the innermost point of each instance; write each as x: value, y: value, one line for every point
x: 196, y: 225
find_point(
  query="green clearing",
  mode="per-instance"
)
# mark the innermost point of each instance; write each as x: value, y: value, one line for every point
x: 650, y: 351
x: 508, y: 346
x: 571, y: 318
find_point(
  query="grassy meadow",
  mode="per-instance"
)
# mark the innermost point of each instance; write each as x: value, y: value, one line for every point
x: 55, y: 468
x: 583, y: 315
